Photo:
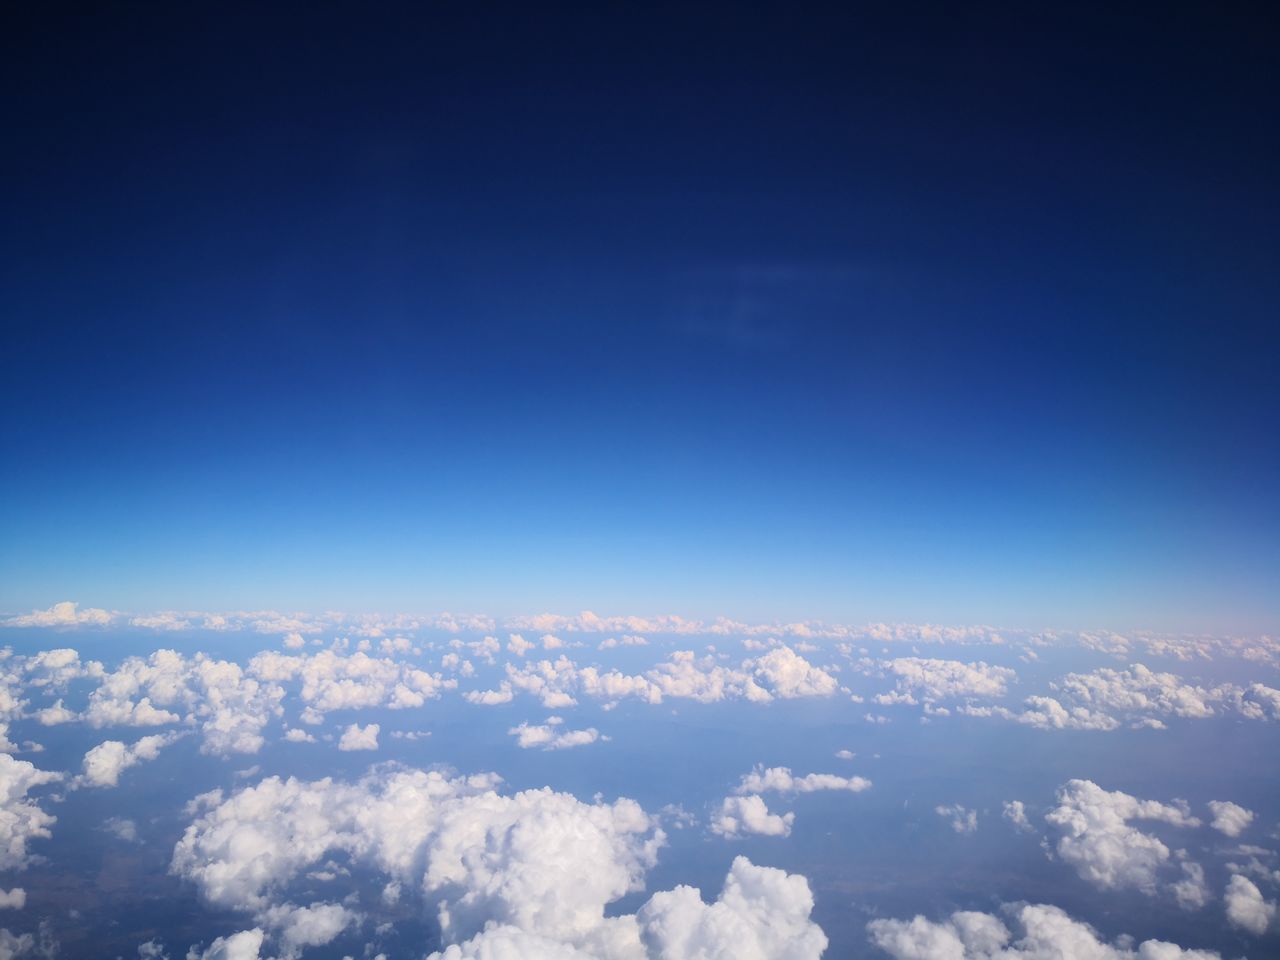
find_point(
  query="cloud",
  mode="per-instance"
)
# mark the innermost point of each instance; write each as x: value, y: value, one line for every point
x: 104, y: 763
x: 779, y: 674
x: 519, y: 645
x: 481, y: 856
x: 1096, y: 839
x: 1143, y: 698
x: 167, y: 620
x: 963, y: 820
x: 1016, y: 813
x: 780, y: 779
x: 230, y: 706
x: 1047, y: 933
x: 749, y: 814
x: 786, y: 674
x: 21, y: 820
x: 1046, y: 713
x: 122, y: 828
x: 1192, y: 892
x: 931, y: 679
x: 356, y: 737
x: 331, y: 681
x: 64, y: 614
x: 1230, y: 818
x: 761, y: 913
x: 311, y: 926
x: 14, y: 899
x: 55, y: 714
x: 244, y: 945
x: 14, y: 945
x: 490, y: 698
x: 550, y: 737
x: 1246, y: 907
x: 627, y: 640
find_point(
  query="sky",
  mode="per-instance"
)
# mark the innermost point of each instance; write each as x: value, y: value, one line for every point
x: 919, y: 313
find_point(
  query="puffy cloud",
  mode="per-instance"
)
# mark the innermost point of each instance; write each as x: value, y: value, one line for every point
x: 56, y: 668
x: 780, y: 779
x: 627, y: 640
x: 1259, y: 702
x: 1138, y: 690
x: 104, y: 763
x: 519, y: 645
x: 483, y: 856
x: 1097, y: 840
x: 312, y: 926
x: 55, y: 714
x: 762, y: 914
x: 64, y: 614
x: 1016, y: 813
x: 1047, y: 933
x: 931, y: 679
x: 1192, y: 892
x: 548, y: 736
x: 244, y: 945
x: 166, y: 620
x: 1246, y: 907
x: 786, y: 674
x: 21, y: 820
x: 1046, y: 713
x: 1230, y: 818
x: 963, y: 820
x: 749, y: 814
x: 356, y: 737
x: 1143, y: 697
x: 14, y: 899
x: 490, y: 698
x: 781, y: 673
x: 230, y: 706
x: 504, y: 942
x: 331, y: 681
x: 121, y: 828
x: 14, y: 945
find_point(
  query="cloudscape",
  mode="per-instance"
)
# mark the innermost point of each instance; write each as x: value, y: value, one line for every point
x: 619, y: 483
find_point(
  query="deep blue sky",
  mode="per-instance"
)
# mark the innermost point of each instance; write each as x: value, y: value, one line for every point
x: 963, y: 314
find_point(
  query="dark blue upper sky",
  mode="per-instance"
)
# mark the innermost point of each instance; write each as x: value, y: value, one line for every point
x: 959, y: 313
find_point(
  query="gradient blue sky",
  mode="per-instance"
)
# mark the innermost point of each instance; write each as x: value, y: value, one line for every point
x: 958, y: 315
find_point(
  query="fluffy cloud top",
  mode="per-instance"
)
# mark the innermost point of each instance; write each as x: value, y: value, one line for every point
x: 1096, y: 839
x: 931, y: 679
x: 549, y: 736
x: 963, y: 820
x: 356, y: 737
x: 780, y: 779
x: 64, y: 614
x: 105, y: 762
x: 1047, y: 933
x: 523, y: 876
x: 244, y: 945
x: 1015, y: 811
x: 1230, y: 818
x: 750, y: 814
x: 21, y: 820
x: 762, y: 914
x: 1246, y: 907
